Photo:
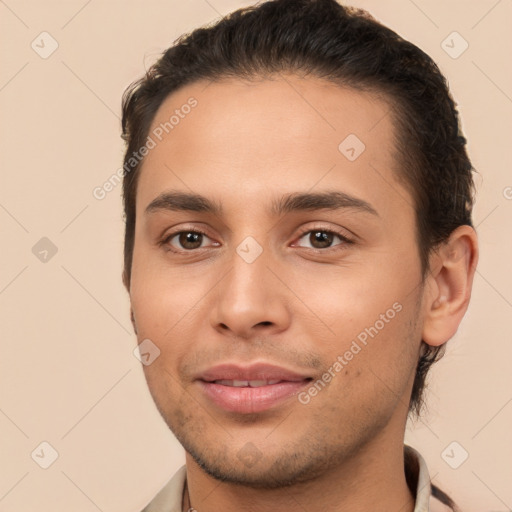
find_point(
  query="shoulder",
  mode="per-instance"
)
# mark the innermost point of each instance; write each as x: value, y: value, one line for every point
x: 169, y: 498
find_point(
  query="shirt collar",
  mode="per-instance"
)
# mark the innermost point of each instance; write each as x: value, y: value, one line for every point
x: 416, y: 471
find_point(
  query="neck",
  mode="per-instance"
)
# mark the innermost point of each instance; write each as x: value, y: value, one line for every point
x: 373, y: 479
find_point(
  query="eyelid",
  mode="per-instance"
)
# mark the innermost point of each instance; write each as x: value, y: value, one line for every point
x: 168, y: 236
x: 347, y: 240
x: 165, y: 240
x: 329, y: 229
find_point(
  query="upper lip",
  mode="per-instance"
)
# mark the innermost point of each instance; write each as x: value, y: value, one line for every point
x: 256, y: 371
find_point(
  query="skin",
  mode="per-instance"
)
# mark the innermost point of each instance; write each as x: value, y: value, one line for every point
x: 299, y: 305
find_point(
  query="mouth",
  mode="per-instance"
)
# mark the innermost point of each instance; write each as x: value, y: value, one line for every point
x: 250, y: 389
x: 247, y: 383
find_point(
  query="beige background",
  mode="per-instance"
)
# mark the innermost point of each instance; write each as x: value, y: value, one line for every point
x: 67, y: 371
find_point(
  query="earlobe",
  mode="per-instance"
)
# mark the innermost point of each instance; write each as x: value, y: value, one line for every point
x: 452, y: 270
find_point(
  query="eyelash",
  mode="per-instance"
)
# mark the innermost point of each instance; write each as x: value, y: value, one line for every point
x: 344, y: 239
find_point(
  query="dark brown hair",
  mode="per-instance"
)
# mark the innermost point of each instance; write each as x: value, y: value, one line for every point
x: 347, y: 47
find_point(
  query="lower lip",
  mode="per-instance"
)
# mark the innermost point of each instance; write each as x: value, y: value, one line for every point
x: 249, y: 400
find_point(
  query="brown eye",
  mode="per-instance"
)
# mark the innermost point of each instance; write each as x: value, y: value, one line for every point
x: 186, y: 240
x: 322, y: 239
x: 190, y: 240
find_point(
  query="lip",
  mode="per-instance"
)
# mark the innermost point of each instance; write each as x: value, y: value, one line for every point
x: 245, y: 400
x: 255, y: 371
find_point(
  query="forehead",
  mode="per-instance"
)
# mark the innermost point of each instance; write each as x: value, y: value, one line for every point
x: 285, y: 132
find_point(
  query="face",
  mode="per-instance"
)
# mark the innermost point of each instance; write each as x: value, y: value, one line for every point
x: 289, y: 326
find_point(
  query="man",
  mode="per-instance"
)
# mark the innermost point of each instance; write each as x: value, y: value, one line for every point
x: 298, y: 251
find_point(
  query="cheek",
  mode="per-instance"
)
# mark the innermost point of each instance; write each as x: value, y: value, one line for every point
x: 372, y: 314
x: 371, y: 368
x: 346, y: 301
x: 163, y: 297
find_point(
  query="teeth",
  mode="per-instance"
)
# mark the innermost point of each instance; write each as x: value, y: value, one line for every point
x: 247, y: 383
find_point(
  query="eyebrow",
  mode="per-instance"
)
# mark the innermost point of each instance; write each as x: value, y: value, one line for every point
x: 293, y: 202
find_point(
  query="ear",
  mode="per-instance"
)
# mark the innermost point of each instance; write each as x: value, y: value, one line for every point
x: 448, y: 290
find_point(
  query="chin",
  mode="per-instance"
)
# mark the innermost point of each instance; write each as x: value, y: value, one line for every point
x: 250, y: 467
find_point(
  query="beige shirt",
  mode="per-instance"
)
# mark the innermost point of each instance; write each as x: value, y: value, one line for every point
x: 170, y: 497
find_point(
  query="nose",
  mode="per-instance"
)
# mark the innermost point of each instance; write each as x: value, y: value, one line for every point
x: 250, y: 300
